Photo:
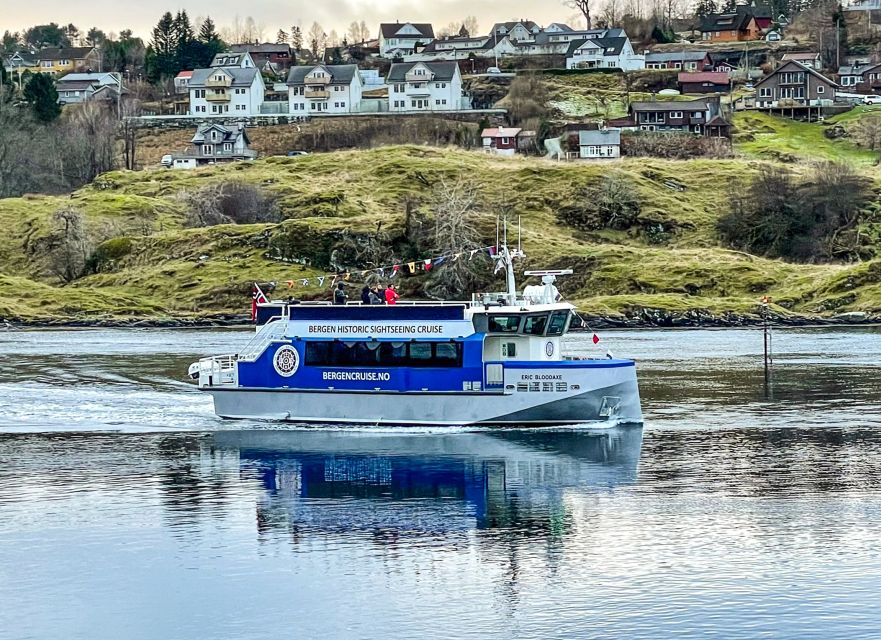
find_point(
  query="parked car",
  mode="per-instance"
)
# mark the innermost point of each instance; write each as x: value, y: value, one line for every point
x: 297, y: 152
x: 493, y: 70
x: 167, y: 160
x: 873, y: 99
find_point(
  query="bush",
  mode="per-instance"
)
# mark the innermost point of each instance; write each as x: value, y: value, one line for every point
x: 813, y: 218
x: 106, y: 254
x: 228, y: 203
x: 677, y: 146
x: 611, y: 204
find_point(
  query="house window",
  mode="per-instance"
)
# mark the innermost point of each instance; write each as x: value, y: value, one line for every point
x: 207, y: 149
x: 227, y: 146
x: 213, y: 108
x: 342, y: 105
x: 821, y: 89
x: 765, y: 92
x: 506, y: 140
x: 676, y: 115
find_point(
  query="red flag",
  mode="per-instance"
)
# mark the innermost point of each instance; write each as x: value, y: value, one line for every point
x: 595, y: 338
x: 257, y: 297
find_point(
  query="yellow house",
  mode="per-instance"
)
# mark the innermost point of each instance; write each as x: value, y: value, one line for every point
x: 58, y: 61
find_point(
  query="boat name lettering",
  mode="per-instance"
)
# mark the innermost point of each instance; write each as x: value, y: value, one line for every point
x: 369, y: 376
x: 375, y: 329
x: 541, y: 376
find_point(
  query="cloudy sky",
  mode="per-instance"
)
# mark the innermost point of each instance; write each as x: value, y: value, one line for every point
x: 115, y: 15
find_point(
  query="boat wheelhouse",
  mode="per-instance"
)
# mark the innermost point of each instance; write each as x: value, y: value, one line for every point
x: 497, y: 359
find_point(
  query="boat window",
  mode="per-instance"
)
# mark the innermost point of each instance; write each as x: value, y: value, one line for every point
x: 420, y: 353
x: 535, y: 325
x: 371, y: 353
x: 558, y: 323
x: 503, y: 324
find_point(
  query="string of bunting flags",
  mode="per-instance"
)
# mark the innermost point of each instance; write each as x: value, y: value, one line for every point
x: 393, y: 270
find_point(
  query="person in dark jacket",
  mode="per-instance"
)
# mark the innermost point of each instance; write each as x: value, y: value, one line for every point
x: 365, y: 295
x: 375, y: 297
x: 339, y: 294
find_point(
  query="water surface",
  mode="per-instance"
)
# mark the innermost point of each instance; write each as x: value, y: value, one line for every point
x: 128, y: 510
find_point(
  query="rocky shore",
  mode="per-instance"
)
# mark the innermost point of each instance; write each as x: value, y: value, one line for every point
x: 641, y: 319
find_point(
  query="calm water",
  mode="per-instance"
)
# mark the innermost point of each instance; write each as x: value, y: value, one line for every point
x: 127, y: 510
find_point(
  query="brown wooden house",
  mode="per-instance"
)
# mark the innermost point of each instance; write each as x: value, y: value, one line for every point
x: 793, y: 84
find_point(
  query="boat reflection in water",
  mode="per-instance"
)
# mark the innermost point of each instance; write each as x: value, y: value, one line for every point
x: 427, y: 484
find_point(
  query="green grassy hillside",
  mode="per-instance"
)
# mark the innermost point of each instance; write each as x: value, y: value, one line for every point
x: 162, y: 269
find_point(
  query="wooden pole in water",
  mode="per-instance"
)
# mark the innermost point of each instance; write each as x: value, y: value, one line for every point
x: 767, y: 346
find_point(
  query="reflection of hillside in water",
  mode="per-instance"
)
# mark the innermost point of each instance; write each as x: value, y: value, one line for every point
x: 415, y: 485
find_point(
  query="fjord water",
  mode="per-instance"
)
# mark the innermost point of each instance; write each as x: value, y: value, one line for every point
x: 127, y: 510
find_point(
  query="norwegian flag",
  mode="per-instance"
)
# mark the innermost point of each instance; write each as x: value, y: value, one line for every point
x: 257, y: 297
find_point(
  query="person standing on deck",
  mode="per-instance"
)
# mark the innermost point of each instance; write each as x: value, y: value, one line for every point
x: 339, y: 294
x: 365, y: 295
x: 376, y: 297
x: 391, y: 296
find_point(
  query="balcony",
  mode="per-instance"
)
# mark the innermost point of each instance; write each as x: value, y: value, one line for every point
x: 319, y: 81
x: 696, y: 120
x: 215, y: 96
x: 418, y: 77
x: 211, y: 82
x: 417, y: 91
x: 317, y: 94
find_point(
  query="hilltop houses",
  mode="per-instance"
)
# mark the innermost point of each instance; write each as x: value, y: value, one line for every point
x: 702, y: 117
x: 60, y: 60
x: 424, y: 86
x: 746, y: 22
x: 232, y: 85
x: 268, y: 57
x: 401, y: 39
x: 679, y: 60
x: 324, y: 89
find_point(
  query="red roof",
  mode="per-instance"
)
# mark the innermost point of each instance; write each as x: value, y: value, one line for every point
x: 715, y: 77
x: 500, y: 132
x: 185, y: 74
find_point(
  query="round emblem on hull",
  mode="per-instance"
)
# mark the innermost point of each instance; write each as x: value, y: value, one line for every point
x: 549, y: 348
x: 286, y: 361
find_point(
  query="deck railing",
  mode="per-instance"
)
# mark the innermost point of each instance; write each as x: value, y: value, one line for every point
x: 272, y: 331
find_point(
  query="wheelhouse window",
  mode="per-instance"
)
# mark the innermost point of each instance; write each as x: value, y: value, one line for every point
x: 535, y: 325
x: 372, y: 353
x: 559, y: 320
x: 504, y: 324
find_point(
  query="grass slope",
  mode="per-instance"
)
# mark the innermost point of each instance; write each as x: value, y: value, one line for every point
x: 179, y: 272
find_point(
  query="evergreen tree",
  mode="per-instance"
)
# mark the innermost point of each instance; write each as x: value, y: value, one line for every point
x: 95, y: 36
x: 42, y: 97
x: 185, y: 43
x: 729, y: 6
x: 161, y: 58
x: 705, y: 8
x: 281, y: 37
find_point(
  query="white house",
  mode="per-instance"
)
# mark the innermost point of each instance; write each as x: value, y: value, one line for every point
x: 599, y: 144
x: 516, y: 30
x: 232, y: 85
x: 400, y: 39
x: 610, y: 53
x: 324, y: 88
x: 424, y: 86
x: 182, y: 82
x: 557, y: 41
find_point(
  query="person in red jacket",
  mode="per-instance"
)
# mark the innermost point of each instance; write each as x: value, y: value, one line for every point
x: 391, y: 296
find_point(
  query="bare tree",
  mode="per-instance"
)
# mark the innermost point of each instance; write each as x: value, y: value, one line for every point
x: 582, y: 6
x: 453, y: 231
x: 472, y: 26
x: 317, y: 39
x: 365, y: 31
x: 88, y: 138
x: 129, y: 132
x: 252, y: 31
x: 866, y: 132
x: 67, y: 247
x: 353, y: 33
x: 333, y: 39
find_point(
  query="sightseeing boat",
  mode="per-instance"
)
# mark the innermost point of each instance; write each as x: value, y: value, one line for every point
x: 494, y: 360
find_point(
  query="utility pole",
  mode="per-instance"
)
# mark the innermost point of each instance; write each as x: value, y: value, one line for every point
x: 766, y: 335
x: 838, y: 43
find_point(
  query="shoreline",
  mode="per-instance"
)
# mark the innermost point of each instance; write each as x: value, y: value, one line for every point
x: 648, y: 319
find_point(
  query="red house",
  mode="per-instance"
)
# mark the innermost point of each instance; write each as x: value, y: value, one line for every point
x: 504, y: 141
x: 704, y: 82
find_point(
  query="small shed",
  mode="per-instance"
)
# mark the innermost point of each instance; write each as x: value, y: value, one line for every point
x: 501, y: 141
x: 602, y: 144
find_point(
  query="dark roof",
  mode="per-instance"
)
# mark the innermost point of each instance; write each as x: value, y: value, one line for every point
x: 433, y: 45
x: 265, y: 47
x: 676, y: 56
x: 671, y: 105
x: 856, y: 69
x: 74, y: 85
x: 610, y: 46
x: 339, y: 73
x: 528, y: 24
x: 240, y: 77
x: 737, y: 21
x: 714, y: 77
x: 442, y: 70
x: 64, y: 53
x: 390, y: 29
x: 798, y: 67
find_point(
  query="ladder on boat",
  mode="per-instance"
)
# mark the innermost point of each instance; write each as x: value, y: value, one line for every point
x: 272, y: 331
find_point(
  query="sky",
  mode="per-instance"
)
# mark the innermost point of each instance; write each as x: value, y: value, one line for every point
x: 115, y: 15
